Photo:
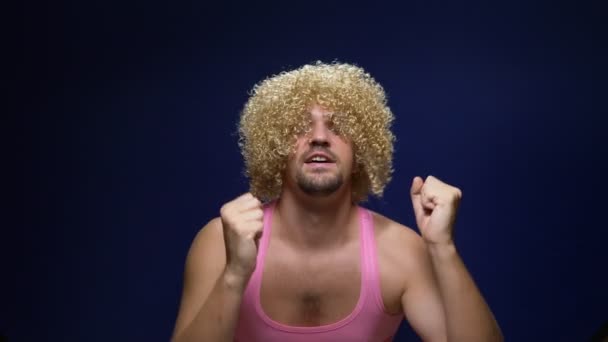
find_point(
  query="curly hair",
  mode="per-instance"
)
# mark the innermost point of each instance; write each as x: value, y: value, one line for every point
x: 277, y: 112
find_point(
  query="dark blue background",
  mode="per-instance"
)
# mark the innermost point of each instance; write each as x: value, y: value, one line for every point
x: 125, y: 147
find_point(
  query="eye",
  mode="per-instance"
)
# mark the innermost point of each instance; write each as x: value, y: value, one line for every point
x: 302, y: 129
x: 333, y: 127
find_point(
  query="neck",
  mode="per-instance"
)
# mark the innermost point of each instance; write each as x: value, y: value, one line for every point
x: 313, y: 223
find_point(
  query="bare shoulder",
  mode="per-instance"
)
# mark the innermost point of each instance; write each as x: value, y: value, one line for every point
x: 395, y: 235
x: 204, y: 264
x: 212, y: 230
x: 399, y: 244
x: 209, y: 241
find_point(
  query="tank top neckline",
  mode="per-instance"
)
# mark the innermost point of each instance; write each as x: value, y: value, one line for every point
x: 364, y: 250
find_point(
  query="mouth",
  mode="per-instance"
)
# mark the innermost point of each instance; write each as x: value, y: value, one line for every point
x: 319, y: 159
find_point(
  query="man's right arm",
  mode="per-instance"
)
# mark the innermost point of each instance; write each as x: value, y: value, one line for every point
x: 211, y: 297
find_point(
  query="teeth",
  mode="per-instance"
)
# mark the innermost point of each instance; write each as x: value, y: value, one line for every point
x: 319, y: 159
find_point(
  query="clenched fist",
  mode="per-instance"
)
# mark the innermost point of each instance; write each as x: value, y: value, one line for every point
x: 242, y: 221
x: 435, y: 206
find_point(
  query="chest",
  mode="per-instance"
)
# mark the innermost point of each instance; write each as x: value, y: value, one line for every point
x: 317, y: 289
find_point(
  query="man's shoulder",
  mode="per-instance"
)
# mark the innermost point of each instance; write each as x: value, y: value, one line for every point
x: 397, y: 240
x: 388, y: 228
x: 212, y: 229
x: 209, y: 238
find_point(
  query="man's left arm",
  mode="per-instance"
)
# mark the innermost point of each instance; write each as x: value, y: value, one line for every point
x: 468, y: 317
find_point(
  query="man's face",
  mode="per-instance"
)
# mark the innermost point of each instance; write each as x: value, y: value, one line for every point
x: 323, y: 160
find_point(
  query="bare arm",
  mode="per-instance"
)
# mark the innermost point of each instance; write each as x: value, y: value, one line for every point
x: 421, y: 300
x: 468, y: 316
x: 211, y: 296
x: 219, y: 265
x: 441, y: 300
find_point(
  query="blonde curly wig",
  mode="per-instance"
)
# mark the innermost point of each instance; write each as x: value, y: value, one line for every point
x: 277, y: 112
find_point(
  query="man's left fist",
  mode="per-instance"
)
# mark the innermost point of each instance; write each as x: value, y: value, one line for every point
x: 435, y: 205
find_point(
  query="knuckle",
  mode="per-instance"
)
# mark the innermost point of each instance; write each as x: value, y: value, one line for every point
x: 458, y: 193
x: 224, y: 210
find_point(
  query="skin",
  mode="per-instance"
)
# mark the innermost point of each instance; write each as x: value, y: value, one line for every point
x: 315, y: 235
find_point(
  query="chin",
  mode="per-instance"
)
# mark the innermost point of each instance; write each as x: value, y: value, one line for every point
x: 320, y: 188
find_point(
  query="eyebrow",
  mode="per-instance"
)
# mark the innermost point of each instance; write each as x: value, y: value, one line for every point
x: 329, y: 115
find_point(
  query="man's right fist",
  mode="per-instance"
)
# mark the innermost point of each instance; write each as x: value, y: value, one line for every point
x: 242, y: 220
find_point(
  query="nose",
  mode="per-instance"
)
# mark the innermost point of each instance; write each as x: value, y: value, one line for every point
x: 319, y: 134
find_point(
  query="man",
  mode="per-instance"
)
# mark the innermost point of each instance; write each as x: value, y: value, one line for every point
x: 297, y: 259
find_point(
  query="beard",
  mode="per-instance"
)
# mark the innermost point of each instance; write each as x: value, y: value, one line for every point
x: 319, y: 184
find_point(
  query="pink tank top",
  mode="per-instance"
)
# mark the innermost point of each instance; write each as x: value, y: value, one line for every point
x: 367, y: 322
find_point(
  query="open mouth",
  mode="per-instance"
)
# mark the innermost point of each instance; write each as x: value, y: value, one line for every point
x: 319, y: 160
x: 319, y: 157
